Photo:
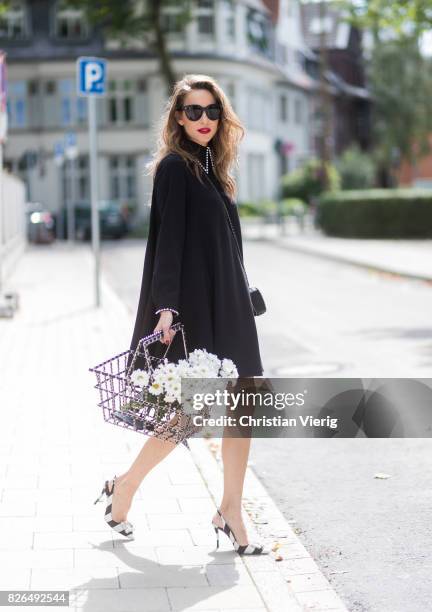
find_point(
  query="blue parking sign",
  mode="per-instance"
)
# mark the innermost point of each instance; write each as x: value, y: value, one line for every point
x: 91, y: 76
x: 70, y: 139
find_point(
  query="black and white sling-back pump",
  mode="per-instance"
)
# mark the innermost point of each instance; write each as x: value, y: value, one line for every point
x: 123, y: 527
x: 248, y: 549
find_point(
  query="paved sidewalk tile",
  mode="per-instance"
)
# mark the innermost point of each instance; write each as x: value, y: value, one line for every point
x: 14, y: 578
x: 114, y: 600
x: 224, y: 597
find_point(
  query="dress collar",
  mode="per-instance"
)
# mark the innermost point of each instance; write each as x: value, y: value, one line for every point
x: 198, y: 150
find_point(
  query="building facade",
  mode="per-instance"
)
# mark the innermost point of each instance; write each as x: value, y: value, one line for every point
x: 326, y: 30
x: 250, y: 46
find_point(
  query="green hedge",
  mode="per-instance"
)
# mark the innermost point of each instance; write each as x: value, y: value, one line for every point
x: 376, y: 213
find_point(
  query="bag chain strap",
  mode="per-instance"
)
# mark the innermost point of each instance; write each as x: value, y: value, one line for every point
x: 232, y: 230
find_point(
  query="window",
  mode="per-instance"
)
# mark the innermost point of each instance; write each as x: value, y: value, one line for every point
x: 171, y: 18
x: 50, y: 88
x: 13, y: 21
x: 122, y: 173
x: 73, y: 109
x: 127, y: 102
x: 142, y: 86
x: 298, y: 114
x: 283, y: 107
x: 50, y: 103
x: 120, y: 101
x: 141, y: 103
x: 33, y: 88
x: 69, y: 22
x: 81, y: 110
x: 17, y: 104
x: 256, y: 176
x: 281, y: 53
x: 205, y: 17
x: 230, y: 92
x: 228, y: 16
x: 321, y: 26
x: 82, y: 171
x: 80, y: 190
x: 258, y: 31
x: 259, y: 109
x: 34, y: 103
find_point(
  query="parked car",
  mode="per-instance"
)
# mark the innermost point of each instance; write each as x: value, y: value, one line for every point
x: 112, y: 219
x: 40, y: 224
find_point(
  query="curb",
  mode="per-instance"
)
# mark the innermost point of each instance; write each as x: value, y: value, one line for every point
x: 287, y: 579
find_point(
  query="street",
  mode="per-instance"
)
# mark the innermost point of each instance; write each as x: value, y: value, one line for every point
x: 323, y: 319
x: 370, y: 537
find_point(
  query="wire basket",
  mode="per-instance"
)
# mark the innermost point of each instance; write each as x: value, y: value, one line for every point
x: 124, y: 403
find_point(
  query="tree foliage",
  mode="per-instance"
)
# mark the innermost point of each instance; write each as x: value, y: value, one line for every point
x: 400, y: 76
x: 401, y: 83
x: 401, y: 17
x: 305, y: 182
x: 131, y: 21
x: 356, y: 169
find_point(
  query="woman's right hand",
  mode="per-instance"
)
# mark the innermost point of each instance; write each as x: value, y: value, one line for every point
x: 164, y: 324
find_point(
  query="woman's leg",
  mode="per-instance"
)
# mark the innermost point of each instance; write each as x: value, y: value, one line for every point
x: 235, y: 453
x: 126, y: 485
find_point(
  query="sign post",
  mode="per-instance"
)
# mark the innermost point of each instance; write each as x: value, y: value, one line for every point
x: 59, y: 160
x: 3, y: 133
x: 91, y: 82
x: 71, y: 153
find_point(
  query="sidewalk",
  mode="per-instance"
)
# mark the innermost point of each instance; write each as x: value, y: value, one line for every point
x: 56, y: 451
x: 406, y: 258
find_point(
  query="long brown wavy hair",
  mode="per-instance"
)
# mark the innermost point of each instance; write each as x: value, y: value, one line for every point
x: 224, y: 143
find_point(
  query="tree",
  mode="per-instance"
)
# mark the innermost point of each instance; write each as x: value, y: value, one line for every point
x: 401, y: 17
x: 401, y: 83
x: 324, y: 108
x: 400, y: 78
x: 128, y: 21
x: 325, y: 101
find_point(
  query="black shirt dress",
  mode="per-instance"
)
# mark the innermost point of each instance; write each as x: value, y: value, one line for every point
x: 192, y: 267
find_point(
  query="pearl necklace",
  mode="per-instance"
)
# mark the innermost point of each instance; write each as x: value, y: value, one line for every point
x: 206, y: 167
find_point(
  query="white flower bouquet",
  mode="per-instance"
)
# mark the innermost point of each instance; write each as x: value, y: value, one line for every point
x: 163, y: 386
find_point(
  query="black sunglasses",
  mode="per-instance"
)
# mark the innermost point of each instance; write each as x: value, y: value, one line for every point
x: 195, y: 111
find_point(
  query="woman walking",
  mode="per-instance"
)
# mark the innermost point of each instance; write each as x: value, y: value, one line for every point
x: 192, y: 273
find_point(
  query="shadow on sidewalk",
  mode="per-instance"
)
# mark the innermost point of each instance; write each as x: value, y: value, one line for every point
x: 149, y: 574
